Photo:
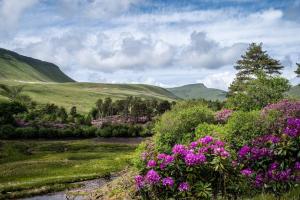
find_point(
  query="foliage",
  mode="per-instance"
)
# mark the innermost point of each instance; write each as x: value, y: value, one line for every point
x: 271, y: 162
x: 6, y: 131
x: 174, y: 126
x: 201, y: 170
x: 131, y: 106
x: 258, y: 93
x: 8, y: 110
x: 215, y: 130
x: 119, y: 130
x: 243, y: 127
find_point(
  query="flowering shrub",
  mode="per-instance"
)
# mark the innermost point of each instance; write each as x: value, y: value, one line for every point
x: 198, y: 170
x: 223, y: 115
x: 281, y: 112
x: 272, y: 162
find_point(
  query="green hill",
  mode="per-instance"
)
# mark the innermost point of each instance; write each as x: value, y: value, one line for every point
x: 84, y: 95
x: 17, y: 67
x: 45, y: 83
x: 294, y: 92
x: 198, y: 91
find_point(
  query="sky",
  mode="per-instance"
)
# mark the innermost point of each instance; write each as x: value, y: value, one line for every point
x: 160, y: 42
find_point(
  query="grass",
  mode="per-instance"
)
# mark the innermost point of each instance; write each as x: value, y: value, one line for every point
x: 84, y: 95
x: 34, y: 167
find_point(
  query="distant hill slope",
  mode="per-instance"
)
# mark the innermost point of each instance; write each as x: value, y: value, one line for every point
x: 294, y: 92
x: 14, y: 66
x: 198, y: 91
x: 84, y: 95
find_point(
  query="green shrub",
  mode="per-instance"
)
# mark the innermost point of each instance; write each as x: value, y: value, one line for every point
x: 244, y: 126
x: 89, y: 131
x: 119, y: 130
x: 26, y: 133
x: 216, y: 130
x: 175, y: 126
x: 6, y: 131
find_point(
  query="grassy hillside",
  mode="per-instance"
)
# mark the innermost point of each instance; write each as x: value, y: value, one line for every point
x: 84, y: 95
x: 17, y: 67
x: 198, y: 91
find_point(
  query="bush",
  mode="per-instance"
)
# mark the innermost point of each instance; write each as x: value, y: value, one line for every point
x: 217, y: 131
x: 174, y: 126
x: 278, y: 114
x: 26, y: 133
x: 7, y: 131
x: 271, y: 162
x: 223, y: 115
x: 89, y: 131
x: 243, y: 127
x: 202, y: 170
x: 119, y: 130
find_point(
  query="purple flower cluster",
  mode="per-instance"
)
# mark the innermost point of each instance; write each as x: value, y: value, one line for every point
x: 152, y: 177
x: 184, y: 186
x: 287, y: 109
x: 244, y: 151
x: 246, y: 172
x: 179, y: 149
x: 265, y: 164
x: 168, y: 182
x: 223, y: 115
x: 191, y: 159
x: 199, y: 153
x: 293, y: 127
x: 151, y: 163
x: 205, y: 140
x: 139, y: 181
x: 265, y: 139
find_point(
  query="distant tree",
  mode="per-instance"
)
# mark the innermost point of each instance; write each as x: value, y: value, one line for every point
x: 163, y: 106
x: 259, y: 92
x: 107, y: 107
x: 73, y: 111
x: 298, y: 70
x: 254, y: 61
x: 99, y: 108
x: 94, y: 113
x: 62, y: 114
x: 8, y: 110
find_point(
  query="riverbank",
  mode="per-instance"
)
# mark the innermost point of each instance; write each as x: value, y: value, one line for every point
x: 29, y: 167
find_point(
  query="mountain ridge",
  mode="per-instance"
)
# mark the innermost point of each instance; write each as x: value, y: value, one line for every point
x: 14, y: 66
x: 198, y: 91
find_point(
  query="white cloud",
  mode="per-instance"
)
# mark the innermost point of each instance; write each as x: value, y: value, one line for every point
x: 163, y: 48
x: 12, y: 10
x: 96, y: 9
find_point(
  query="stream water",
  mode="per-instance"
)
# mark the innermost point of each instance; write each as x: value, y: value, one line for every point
x: 73, y: 194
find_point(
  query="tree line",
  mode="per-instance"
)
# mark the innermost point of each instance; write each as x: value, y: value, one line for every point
x: 130, y: 107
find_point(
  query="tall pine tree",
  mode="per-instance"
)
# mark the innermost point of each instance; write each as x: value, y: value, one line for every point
x: 254, y: 61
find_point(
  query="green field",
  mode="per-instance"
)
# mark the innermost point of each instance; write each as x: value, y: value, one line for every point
x: 84, y: 95
x: 33, y: 167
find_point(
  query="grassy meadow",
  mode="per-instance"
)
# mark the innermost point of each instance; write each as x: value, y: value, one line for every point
x: 35, y: 167
x: 84, y: 95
